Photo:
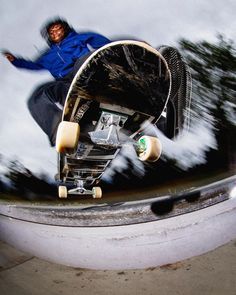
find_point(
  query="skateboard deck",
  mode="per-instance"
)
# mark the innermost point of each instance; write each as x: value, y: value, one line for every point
x: 118, y: 87
x: 131, y: 74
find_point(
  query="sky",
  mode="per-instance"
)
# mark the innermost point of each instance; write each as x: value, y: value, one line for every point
x: 156, y: 22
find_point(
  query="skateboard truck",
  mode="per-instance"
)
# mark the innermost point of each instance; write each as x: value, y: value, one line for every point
x: 79, y: 190
x: 96, y: 191
x: 106, y: 133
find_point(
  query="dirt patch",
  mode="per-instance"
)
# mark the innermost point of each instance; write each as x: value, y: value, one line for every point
x: 173, y: 266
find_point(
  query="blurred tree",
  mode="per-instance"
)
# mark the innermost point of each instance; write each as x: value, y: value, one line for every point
x: 213, y: 68
x: 25, y: 183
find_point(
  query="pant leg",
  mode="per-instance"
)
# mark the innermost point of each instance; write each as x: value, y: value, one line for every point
x: 43, y: 108
x: 79, y: 62
x: 42, y: 102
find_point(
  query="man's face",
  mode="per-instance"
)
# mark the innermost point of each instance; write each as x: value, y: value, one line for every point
x: 56, y: 33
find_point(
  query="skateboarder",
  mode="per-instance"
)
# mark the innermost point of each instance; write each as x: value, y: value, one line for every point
x: 67, y: 51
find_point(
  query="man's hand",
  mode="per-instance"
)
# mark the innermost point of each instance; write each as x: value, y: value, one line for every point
x: 9, y: 56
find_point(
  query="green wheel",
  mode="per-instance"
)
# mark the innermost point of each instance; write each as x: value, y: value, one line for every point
x: 149, y: 148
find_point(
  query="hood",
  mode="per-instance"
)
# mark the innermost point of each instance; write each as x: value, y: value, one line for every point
x: 49, y: 23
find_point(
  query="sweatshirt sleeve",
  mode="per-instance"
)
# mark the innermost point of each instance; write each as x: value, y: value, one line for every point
x: 27, y: 64
x: 97, y: 41
x: 93, y: 39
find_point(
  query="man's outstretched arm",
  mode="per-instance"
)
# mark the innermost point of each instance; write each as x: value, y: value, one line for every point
x: 21, y: 62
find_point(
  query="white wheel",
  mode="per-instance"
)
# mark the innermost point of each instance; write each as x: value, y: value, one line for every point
x: 62, y: 192
x: 149, y: 148
x: 97, y: 192
x: 67, y: 136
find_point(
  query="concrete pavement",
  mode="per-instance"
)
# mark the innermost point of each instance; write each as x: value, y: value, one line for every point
x: 211, y: 273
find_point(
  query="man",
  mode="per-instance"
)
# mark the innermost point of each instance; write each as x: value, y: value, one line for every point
x: 67, y: 51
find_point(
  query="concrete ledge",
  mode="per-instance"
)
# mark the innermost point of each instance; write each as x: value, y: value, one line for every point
x: 133, y: 246
x: 125, y: 247
x: 124, y: 213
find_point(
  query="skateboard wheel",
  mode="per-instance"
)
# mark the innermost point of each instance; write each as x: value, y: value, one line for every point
x: 62, y: 192
x: 149, y: 148
x: 97, y: 192
x: 67, y: 136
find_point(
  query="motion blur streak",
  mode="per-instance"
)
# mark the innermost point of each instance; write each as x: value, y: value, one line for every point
x: 189, y: 148
x: 125, y: 159
x: 232, y: 193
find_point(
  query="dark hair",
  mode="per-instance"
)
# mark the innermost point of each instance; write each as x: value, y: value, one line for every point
x: 55, y: 21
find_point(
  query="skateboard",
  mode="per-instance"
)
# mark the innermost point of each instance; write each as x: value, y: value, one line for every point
x: 118, y: 88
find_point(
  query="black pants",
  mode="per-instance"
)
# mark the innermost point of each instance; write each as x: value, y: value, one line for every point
x: 43, y: 108
x: 43, y: 103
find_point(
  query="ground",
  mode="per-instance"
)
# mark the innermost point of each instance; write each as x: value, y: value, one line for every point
x: 211, y: 273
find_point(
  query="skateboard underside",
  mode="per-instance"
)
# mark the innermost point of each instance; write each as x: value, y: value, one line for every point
x: 100, y: 142
x: 117, y: 89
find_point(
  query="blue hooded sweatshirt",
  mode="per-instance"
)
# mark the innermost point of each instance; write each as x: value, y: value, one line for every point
x: 60, y: 57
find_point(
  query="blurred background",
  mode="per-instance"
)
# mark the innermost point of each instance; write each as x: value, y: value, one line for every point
x: 203, y: 32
